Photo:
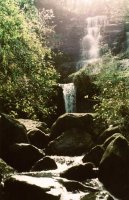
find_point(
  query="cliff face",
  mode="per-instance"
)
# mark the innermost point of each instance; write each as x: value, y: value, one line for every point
x: 70, y: 29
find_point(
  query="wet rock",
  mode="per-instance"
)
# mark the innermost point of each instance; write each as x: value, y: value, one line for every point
x: 23, y: 156
x: 21, y: 187
x: 68, y: 121
x: 114, y: 168
x: 46, y: 163
x: 94, y: 155
x: 32, y: 124
x: 11, y: 131
x: 80, y: 172
x: 107, y: 133
x: 71, y: 143
x: 38, y: 138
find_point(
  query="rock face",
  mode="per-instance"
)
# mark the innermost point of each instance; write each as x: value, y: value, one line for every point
x: 115, y: 36
x: 114, y: 168
x: 11, y: 131
x: 38, y: 138
x: 68, y: 121
x: 72, y: 142
x: 46, y: 163
x: 80, y: 172
x: 23, y: 156
x: 31, y: 188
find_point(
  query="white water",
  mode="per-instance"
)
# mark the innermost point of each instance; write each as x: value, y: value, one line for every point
x: 91, y: 42
x: 52, y: 178
x: 69, y: 94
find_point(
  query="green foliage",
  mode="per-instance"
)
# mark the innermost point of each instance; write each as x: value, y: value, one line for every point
x: 113, y: 82
x: 27, y: 76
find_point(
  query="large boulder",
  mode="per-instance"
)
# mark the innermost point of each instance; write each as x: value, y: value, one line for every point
x: 46, y: 163
x: 68, y: 121
x: 80, y: 172
x: 38, y: 138
x: 72, y: 142
x: 110, y: 139
x: 94, y: 155
x: 107, y: 133
x: 11, y: 131
x: 19, y: 187
x: 32, y: 124
x: 114, y: 168
x: 23, y: 156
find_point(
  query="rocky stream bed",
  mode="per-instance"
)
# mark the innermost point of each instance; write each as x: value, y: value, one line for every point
x: 70, y: 161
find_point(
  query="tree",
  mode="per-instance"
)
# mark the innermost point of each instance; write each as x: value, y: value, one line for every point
x: 27, y: 76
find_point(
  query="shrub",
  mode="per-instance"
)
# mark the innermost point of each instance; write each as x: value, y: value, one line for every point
x: 113, y: 81
x: 27, y: 75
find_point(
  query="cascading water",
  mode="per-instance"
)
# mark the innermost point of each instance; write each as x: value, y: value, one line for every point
x: 69, y: 94
x: 90, y: 52
x: 90, y: 44
x: 52, y: 178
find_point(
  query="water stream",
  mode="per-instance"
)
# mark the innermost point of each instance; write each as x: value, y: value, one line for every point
x: 52, y: 177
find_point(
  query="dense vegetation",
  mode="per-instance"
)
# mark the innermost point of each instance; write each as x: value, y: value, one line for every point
x: 27, y: 75
x: 113, y: 82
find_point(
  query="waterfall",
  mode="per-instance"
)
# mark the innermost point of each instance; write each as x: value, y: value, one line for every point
x: 90, y: 44
x: 69, y: 94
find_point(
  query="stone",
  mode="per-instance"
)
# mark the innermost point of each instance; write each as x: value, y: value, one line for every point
x: 11, y: 131
x: 23, y: 156
x: 80, y: 172
x: 110, y: 139
x: 38, y: 138
x: 94, y: 155
x: 19, y: 187
x: 72, y: 142
x: 107, y: 133
x: 46, y: 163
x: 68, y: 121
x: 114, y: 168
x: 32, y: 124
